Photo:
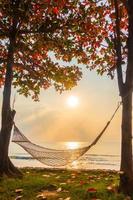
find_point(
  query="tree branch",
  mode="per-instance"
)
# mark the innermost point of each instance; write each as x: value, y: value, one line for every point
x: 33, y: 72
x: 117, y: 44
x: 2, y: 60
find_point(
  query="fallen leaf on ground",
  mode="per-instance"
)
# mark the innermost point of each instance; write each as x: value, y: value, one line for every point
x: 82, y: 182
x: 57, y: 177
x: 59, y: 189
x: 128, y: 198
x: 19, y: 190
x: 18, y: 197
x: 68, y: 198
x: 65, y: 191
x: 96, y: 199
x: 73, y: 176
x: 98, y: 178
x: 46, y: 175
x: 109, y: 188
x: 46, y: 194
x: 62, y: 183
x: 41, y: 196
x: 112, y: 188
x: 92, y: 190
x: 69, y: 181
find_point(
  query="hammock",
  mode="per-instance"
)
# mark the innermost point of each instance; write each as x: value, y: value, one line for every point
x: 53, y: 157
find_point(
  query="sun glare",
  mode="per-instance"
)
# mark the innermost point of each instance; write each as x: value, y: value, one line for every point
x: 72, y: 101
x: 72, y: 145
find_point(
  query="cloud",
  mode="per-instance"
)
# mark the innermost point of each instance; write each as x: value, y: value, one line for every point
x: 57, y: 126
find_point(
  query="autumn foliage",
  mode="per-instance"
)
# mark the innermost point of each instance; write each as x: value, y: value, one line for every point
x: 48, y: 32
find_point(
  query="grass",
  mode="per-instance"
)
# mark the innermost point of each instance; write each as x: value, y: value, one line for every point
x: 62, y: 184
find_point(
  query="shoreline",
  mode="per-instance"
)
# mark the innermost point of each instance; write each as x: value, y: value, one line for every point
x: 86, y: 162
x: 67, y: 169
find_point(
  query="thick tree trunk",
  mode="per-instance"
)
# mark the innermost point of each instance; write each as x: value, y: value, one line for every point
x: 6, y: 167
x: 126, y: 178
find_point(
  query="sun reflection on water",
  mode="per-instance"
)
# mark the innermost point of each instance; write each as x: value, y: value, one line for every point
x: 72, y: 145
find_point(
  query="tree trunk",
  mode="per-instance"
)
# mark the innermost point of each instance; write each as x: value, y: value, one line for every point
x: 6, y: 166
x: 126, y: 177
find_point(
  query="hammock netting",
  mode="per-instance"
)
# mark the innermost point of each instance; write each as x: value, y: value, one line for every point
x: 50, y: 157
x: 53, y: 157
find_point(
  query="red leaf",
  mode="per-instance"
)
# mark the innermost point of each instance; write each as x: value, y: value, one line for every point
x: 82, y: 182
x: 92, y: 190
x: 55, y: 10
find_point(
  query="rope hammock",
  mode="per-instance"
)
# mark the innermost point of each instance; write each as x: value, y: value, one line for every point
x: 54, y: 157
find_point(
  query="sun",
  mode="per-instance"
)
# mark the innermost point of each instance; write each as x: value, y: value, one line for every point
x: 72, y: 101
x: 72, y: 145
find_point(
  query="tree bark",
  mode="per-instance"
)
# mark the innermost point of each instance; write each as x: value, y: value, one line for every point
x: 6, y: 166
x: 126, y: 178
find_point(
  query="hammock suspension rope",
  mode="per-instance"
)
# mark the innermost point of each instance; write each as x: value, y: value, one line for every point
x: 54, y: 157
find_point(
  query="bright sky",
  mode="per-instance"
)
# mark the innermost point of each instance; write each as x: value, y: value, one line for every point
x: 53, y: 119
x: 76, y: 115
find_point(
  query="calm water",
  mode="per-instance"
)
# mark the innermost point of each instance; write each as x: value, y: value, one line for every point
x: 88, y: 161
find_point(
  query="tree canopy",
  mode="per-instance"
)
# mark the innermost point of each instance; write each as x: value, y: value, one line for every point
x: 66, y: 29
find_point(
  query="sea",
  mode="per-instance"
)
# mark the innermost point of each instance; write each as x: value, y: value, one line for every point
x: 88, y: 161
